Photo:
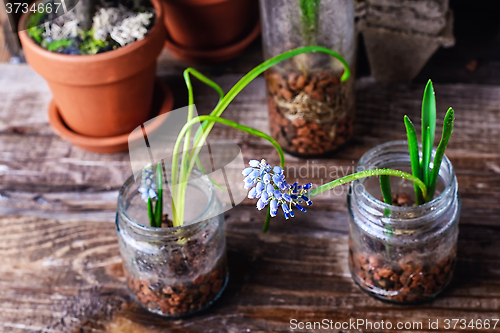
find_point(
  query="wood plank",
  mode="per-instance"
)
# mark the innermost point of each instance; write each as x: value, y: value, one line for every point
x: 67, y: 276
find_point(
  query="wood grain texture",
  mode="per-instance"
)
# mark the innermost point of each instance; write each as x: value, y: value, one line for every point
x: 61, y: 271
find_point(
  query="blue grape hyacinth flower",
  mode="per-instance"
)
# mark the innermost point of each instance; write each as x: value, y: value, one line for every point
x: 148, y: 188
x: 268, y: 185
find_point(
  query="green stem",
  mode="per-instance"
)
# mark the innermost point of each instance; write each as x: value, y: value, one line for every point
x: 222, y: 105
x: 187, y: 138
x: 368, y: 173
x: 227, y: 122
x: 268, y: 219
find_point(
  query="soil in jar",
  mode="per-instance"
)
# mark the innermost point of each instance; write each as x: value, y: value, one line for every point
x: 181, y: 298
x: 409, y: 280
x: 309, y: 113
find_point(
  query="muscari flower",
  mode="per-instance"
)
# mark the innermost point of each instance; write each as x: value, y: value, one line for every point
x: 148, y: 188
x: 268, y: 184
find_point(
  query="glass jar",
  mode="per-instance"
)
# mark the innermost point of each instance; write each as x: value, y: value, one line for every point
x: 402, y: 254
x: 310, y: 111
x: 173, y: 271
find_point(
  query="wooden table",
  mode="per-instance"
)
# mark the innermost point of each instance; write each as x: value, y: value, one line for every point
x: 60, y: 266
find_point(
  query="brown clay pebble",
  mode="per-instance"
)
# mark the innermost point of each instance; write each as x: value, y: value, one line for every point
x: 384, y: 272
x: 412, y: 281
x: 299, y: 130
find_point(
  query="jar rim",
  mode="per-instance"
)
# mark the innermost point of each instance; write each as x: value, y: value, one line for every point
x: 169, y: 231
x: 445, y: 164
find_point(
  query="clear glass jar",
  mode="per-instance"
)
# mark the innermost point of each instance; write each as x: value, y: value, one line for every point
x: 310, y: 111
x: 402, y: 254
x: 173, y: 271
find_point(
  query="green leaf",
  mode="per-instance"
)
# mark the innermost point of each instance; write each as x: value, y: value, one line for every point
x: 56, y: 45
x: 428, y: 121
x: 427, y: 157
x: 449, y: 120
x: 414, y: 156
x: 385, y: 186
x: 151, y: 215
x: 159, y: 203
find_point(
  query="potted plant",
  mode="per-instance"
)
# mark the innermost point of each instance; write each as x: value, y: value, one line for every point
x: 402, y: 247
x: 102, y: 79
x: 311, y: 110
x: 210, y: 31
x: 173, y: 248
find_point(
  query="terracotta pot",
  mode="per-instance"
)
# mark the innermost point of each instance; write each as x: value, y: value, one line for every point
x: 209, y: 24
x: 106, y: 94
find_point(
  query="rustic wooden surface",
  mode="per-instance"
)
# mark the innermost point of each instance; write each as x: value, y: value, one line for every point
x: 61, y: 270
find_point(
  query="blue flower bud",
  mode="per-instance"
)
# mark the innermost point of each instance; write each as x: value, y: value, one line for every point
x: 287, y: 197
x: 286, y: 215
x: 307, y: 186
x: 252, y: 193
x: 284, y: 206
x: 254, y: 163
x: 249, y: 185
x: 299, y: 207
x: 277, y: 194
x: 291, y: 213
x: 254, y: 173
x: 277, y: 170
x: 294, y: 197
x: 309, y: 203
x: 266, y: 178
x: 304, y: 198
x: 278, y: 179
x: 264, y: 196
x: 261, y: 204
x: 260, y: 187
x: 270, y: 189
x: 247, y: 171
x: 274, y: 207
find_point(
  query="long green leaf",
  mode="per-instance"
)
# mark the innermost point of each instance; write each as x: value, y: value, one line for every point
x: 426, y: 158
x: 159, y: 203
x: 428, y: 121
x: 385, y: 187
x: 152, y: 221
x: 449, y: 120
x: 414, y: 156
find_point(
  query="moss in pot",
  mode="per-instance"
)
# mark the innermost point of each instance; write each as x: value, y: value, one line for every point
x: 106, y: 90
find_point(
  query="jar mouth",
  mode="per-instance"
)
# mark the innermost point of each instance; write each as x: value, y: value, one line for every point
x: 366, y: 162
x: 174, y: 232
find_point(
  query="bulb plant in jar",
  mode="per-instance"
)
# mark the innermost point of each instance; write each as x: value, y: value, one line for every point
x: 175, y: 263
x: 402, y: 232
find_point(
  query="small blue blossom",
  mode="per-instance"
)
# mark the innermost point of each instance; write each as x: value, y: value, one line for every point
x: 268, y: 184
x: 148, y: 188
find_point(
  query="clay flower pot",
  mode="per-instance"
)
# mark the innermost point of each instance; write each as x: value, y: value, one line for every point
x: 103, y: 95
x: 198, y: 28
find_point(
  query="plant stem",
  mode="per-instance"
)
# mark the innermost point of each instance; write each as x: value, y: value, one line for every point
x: 368, y: 173
x: 206, y: 127
x: 227, y: 122
x: 159, y: 204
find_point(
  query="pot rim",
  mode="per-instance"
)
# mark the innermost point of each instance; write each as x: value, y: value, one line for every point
x: 90, y: 58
